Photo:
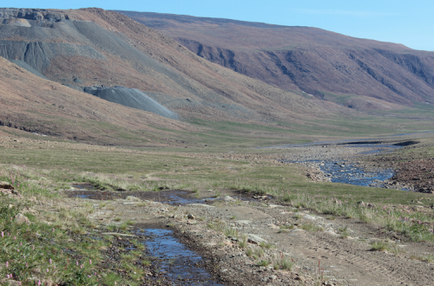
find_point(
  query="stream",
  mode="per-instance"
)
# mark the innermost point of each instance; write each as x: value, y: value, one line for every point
x: 335, y: 160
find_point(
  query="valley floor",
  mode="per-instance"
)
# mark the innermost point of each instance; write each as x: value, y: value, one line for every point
x: 311, y: 233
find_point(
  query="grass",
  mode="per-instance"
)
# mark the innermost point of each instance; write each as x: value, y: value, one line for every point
x: 311, y: 227
x: 148, y: 171
x: 58, y: 245
x: 40, y: 253
x: 283, y: 263
x: 429, y: 258
x: 380, y: 246
x: 263, y: 263
x: 344, y: 232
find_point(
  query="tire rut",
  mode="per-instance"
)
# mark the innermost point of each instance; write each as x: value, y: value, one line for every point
x: 374, y: 268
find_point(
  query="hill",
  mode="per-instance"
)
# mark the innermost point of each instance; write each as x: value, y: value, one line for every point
x: 92, y: 47
x: 358, y: 73
x: 44, y: 107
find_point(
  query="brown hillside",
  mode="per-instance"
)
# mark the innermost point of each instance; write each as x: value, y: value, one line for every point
x: 89, y: 47
x: 37, y: 105
x: 309, y: 59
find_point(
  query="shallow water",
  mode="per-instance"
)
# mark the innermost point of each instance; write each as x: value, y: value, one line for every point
x: 83, y: 196
x: 341, y: 172
x: 175, y: 261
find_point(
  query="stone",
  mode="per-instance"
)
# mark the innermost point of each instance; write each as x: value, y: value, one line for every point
x: 273, y: 226
x: 246, y: 222
x: 228, y: 199
x: 132, y: 198
x: 190, y: 216
x: 201, y: 205
x: 6, y: 185
x: 275, y: 206
x: 255, y: 239
x: 20, y: 219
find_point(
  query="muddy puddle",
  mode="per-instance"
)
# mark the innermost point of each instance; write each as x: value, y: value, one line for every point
x: 174, y: 260
x: 173, y: 197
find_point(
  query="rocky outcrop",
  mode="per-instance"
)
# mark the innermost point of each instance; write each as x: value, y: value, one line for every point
x: 7, y: 15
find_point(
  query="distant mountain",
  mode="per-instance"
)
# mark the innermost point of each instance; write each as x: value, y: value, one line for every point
x: 357, y: 73
x: 103, y: 51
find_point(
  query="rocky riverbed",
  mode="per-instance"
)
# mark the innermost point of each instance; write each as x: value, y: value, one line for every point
x: 345, y: 162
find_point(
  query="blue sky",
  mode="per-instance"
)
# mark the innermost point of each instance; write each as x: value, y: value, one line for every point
x: 408, y: 22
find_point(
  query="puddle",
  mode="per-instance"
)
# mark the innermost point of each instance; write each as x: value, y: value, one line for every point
x: 83, y: 196
x: 173, y: 197
x: 174, y: 260
x: 176, y: 199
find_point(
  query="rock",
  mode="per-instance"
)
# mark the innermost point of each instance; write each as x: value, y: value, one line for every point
x: 300, y: 278
x: 6, y: 185
x: 20, y: 219
x: 190, y: 216
x: 201, y: 205
x: 331, y: 232
x: 275, y: 206
x: 273, y: 226
x: 228, y: 199
x: 243, y: 222
x: 309, y: 217
x: 253, y: 238
x: 132, y: 198
x: 272, y: 277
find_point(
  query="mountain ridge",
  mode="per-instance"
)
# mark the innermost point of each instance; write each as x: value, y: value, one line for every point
x: 307, y: 59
